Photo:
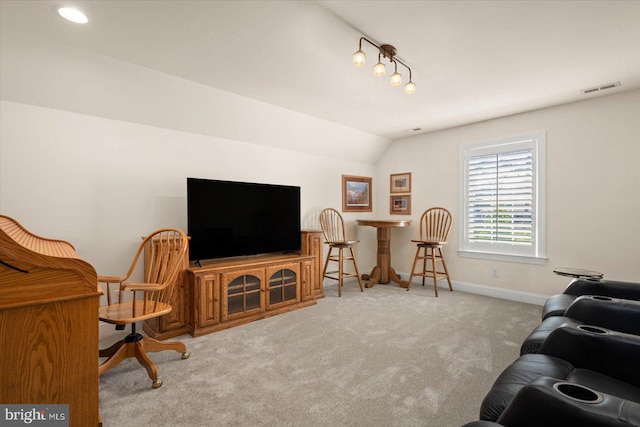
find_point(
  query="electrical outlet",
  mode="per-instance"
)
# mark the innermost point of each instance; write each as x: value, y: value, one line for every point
x: 494, y: 271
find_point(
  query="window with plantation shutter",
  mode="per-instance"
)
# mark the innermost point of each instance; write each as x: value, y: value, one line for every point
x: 503, y: 199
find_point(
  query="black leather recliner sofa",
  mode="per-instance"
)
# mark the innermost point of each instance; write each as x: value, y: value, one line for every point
x: 610, y: 313
x: 584, y: 359
x: 558, y: 304
x: 580, y: 366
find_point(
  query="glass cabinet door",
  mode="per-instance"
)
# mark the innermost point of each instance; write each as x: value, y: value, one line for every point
x: 283, y: 285
x: 242, y: 294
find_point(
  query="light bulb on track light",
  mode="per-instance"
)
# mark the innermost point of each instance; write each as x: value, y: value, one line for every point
x: 378, y: 69
x: 410, y: 88
x: 396, y: 79
x: 359, y: 58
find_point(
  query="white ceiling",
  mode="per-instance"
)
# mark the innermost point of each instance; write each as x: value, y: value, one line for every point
x: 471, y: 60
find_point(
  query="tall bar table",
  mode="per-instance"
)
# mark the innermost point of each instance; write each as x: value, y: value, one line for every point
x: 383, y: 272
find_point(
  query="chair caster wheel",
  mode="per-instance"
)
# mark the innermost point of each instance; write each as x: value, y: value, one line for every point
x: 186, y: 355
x: 156, y: 384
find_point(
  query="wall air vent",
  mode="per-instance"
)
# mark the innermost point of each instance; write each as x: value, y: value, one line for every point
x: 599, y: 88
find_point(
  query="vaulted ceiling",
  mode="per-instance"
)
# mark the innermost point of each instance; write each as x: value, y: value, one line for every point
x: 470, y: 60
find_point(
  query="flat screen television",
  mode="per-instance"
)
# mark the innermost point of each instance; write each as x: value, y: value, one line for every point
x: 228, y: 218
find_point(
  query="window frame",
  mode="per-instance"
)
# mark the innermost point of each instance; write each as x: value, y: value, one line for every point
x: 504, y: 251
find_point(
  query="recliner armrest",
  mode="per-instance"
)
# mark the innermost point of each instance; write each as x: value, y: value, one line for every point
x: 610, y: 288
x: 611, y: 313
x: 543, y: 402
x: 557, y: 305
x: 611, y: 353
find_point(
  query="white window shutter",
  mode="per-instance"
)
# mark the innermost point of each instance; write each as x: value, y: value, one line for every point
x: 502, y: 198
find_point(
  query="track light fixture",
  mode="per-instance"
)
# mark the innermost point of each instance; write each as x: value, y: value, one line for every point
x: 389, y: 52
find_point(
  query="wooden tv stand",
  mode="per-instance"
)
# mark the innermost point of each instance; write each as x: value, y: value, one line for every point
x: 198, y: 305
x: 232, y: 291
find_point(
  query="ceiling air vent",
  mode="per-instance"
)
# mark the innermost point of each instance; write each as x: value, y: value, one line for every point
x: 599, y: 88
x: 412, y: 130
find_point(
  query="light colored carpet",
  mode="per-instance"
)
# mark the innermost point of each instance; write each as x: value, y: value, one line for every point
x: 385, y: 357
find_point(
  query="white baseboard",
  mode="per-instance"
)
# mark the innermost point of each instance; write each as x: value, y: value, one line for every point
x: 472, y: 288
x: 490, y: 291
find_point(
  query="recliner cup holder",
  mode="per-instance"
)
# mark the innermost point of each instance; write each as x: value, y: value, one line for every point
x: 593, y: 329
x: 601, y: 298
x: 578, y: 392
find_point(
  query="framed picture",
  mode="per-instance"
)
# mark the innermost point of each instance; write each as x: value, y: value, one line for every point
x: 401, y: 182
x: 356, y: 194
x: 400, y: 205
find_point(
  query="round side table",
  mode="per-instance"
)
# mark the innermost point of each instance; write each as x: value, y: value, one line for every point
x: 579, y: 273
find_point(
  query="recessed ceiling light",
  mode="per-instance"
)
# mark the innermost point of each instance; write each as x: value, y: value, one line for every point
x: 73, y: 15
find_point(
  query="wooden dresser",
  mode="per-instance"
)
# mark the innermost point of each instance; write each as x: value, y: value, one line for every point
x: 49, y: 301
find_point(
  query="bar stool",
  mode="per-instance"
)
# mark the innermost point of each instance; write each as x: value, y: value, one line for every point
x: 333, y: 228
x: 435, y: 224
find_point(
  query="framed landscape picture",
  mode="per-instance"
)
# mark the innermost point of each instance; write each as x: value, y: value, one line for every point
x: 400, y: 205
x: 356, y: 194
x: 401, y: 182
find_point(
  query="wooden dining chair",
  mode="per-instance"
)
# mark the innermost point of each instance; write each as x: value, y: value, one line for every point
x: 334, y: 234
x: 163, y: 258
x: 435, y: 224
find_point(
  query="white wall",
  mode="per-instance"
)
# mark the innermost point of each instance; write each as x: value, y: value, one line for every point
x: 101, y: 184
x: 593, y: 191
x: 96, y: 151
x: 39, y: 72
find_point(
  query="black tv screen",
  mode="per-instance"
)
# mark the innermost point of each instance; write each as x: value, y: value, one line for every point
x: 227, y: 218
